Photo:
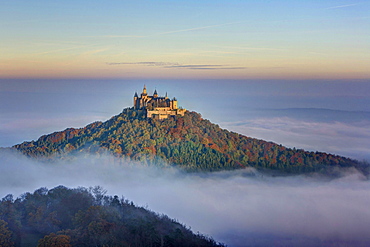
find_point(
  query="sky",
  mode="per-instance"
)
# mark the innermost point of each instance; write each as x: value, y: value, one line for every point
x: 220, y: 39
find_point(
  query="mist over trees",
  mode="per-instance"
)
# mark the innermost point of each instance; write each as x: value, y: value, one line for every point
x: 189, y: 142
x: 67, y: 217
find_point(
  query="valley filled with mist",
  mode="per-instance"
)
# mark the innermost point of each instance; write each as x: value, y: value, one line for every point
x: 238, y: 208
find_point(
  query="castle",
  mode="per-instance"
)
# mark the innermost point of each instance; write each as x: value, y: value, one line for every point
x: 157, y: 107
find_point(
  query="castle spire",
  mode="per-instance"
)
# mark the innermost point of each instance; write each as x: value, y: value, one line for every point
x: 144, y: 94
x: 155, y: 93
x: 144, y: 89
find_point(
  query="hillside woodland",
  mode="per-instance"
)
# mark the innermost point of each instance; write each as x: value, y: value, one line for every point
x: 81, y: 217
x: 189, y: 142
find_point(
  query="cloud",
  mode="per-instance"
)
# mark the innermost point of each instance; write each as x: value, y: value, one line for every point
x: 269, y: 49
x: 116, y: 36
x: 59, y: 50
x: 21, y: 127
x: 343, y: 6
x: 95, y: 51
x: 161, y: 64
x: 205, y: 66
x: 169, y: 65
x: 198, y: 28
x: 169, y: 32
x: 239, y: 208
x: 341, y: 138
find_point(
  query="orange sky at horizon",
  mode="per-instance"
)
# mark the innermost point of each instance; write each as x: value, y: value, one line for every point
x: 91, y: 68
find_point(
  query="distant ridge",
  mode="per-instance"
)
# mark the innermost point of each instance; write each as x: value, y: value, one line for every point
x: 189, y: 142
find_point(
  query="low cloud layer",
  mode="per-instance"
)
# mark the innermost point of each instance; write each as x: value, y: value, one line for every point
x: 169, y: 65
x: 350, y: 139
x: 239, y: 208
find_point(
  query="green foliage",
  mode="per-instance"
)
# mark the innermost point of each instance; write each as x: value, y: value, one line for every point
x: 66, y: 217
x: 189, y: 142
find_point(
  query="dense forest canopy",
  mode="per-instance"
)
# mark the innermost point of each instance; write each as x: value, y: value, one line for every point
x: 67, y: 217
x: 189, y: 142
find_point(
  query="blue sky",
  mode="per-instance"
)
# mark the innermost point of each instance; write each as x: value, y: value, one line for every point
x: 185, y: 39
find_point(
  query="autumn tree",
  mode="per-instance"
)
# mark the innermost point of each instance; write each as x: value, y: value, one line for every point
x: 54, y: 240
x: 5, y: 235
x: 189, y: 142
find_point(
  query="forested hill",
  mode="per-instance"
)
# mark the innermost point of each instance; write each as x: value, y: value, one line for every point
x: 66, y: 217
x: 189, y: 142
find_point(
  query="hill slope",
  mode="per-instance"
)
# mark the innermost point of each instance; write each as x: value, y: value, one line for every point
x: 87, y: 217
x: 189, y: 142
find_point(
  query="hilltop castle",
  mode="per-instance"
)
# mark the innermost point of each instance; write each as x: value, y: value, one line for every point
x: 157, y: 107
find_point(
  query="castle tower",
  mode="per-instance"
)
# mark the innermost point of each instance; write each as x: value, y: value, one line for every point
x: 174, y: 104
x: 155, y: 95
x: 135, y: 101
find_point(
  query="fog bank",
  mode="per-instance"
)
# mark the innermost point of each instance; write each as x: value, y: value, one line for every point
x: 239, y: 208
x: 345, y: 133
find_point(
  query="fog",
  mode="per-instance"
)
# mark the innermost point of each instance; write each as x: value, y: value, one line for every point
x: 350, y: 139
x: 239, y: 208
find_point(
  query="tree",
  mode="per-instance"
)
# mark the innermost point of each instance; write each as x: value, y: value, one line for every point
x: 62, y: 217
x: 5, y: 235
x: 98, y: 193
x: 53, y: 240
